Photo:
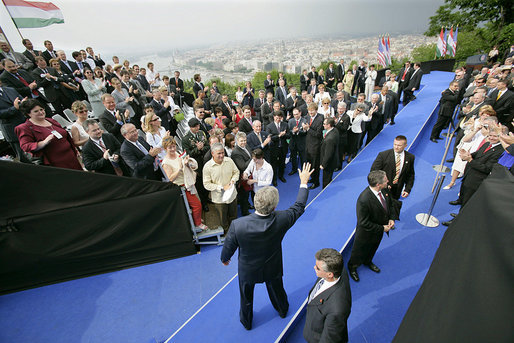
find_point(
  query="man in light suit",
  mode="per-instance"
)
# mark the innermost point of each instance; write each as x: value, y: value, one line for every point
x: 10, y: 117
x: 329, y: 150
x: 398, y: 165
x: 139, y: 155
x: 297, y: 141
x: 413, y: 85
x: 19, y: 58
x: 258, y: 237
x: 330, y: 300
x: 376, y: 214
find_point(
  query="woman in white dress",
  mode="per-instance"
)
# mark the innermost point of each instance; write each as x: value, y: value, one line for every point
x: 260, y: 171
x: 326, y: 109
x: 78, y: 134
x: 239, y: 95
x: 321, y: 95
x: 181, y: 171
x: 155, y: 133
x: 475, y: 132
x: 94, y: 89
x: 357, y: 116
x: 371, y: 76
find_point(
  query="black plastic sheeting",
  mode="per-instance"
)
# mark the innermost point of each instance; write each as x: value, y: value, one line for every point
x: 467, y: 295
x: 58, y: 224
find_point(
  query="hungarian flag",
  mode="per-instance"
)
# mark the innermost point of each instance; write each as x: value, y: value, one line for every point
x: 381, y: 53
x: 31, y: 14
x: 441, y: 44
x: 388, y: 50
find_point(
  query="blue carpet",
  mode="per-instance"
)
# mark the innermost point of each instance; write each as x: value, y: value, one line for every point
x: 149, y: 303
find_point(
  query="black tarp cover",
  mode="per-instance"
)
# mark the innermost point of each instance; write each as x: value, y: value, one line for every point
x: 468, y: 293
x: 73, y: 224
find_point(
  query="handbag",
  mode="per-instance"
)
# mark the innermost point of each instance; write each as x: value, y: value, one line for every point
x: 244, y: 183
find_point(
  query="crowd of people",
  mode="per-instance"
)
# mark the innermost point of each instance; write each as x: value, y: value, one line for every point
x: 478, y: 108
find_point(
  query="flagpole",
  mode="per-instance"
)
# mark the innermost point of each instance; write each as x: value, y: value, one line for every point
x: 14, y: 23
x: 4, y: 36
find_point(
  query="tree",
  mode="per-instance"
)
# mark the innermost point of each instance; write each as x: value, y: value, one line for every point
x: 424, y: 52
x: 488, y: 21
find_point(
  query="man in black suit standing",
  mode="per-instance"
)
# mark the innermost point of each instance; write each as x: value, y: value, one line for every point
x: 269, y: 84
x: 479, y: 166
x: 503, y: 103
x: 257, y: 104
x: 162, y: 109
x: 111, y: 119
x: 340, y: 71
x: 101, y: 153
x: 49, y: 53
x: 447, y: 105
x: 245, y: 124
x: 377, y: 120
x: 403, y: 78
x: 314, y: 129
x: 330, y: 300
x: 329, y: 150
x: 225, y: 106
x: 95, y: 58
x: 398, y: 165
x: 281, y: 94
x: 139, y: 155
x: 198, y: 85
x: 267, y: 110
x: 258, y: 237
x: 313, y: 75
x: 29, y: 52
x: 413, y: 84
x: 330, y: 75
x: 304, y: 80
x: 278, y: 147
x: 375, y: 215
x: 241, y: 155
x: 10, y: 117
x: 297, y: 141
x: 47, y: 78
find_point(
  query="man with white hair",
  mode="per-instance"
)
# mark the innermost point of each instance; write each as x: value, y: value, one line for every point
x: 259, y: 239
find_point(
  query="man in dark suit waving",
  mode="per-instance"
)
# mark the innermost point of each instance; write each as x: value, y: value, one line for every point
x: 398, y: 165
x: 329, y: 150
x: 330, y: 300
x: 259, y: 239
x: 376, y: 214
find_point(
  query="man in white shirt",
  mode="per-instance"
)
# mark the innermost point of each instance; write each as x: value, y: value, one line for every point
x: 330, y: 300
x: 260, y: 171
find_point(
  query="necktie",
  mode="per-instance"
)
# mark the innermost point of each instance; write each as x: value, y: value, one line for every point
x: 488, y: 147
x: 80, y: 66
x: 176, y: 82
x: 398, y: 164
x: 404, y: 73
x: 312, y: 118
x: 141, y: 147
x: 316, y: 289
x: 382, y: 200
x: 259, y: 136
x: 102, y: 145
x: 22, y: 80
x: 499, y: 95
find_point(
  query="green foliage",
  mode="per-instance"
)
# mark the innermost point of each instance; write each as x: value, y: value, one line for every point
x: 482, y: 24
x: 424, y: 52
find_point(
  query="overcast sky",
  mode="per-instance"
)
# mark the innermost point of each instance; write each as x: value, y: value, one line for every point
x: 130, y: 26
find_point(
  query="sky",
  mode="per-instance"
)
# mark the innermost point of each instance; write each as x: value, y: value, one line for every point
x: 144, y: 26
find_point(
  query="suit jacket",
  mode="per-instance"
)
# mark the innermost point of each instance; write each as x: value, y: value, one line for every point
x: 340, y: 72
x: 112, y: 126
x: 290, y: 105
x: 259, y: 239
x: 415, y: 79
x: 177, y: 83
x: 269, y: 85
x: 245, y: 126
x: 141, y: 165
x: 314, y: 135
x: 386, y: 161
x: 371, y: 215
x: 162, y: 112
x: 252, y: 141
x: 197, y: 88
x: 144, y: 82
x: 342, y: 126
x: 280, y: 96
x: 481, y: 165
x: 504, y: 106
x: 266, y: 114
x: 447, y: 103
x: 257, y: 103
x: 330, y: 150
x: 10, y: 117
x: 31, y: 57
x: 309, y: 90
x: 226, y: 109
x: 21, y: 59
x: 304, y: 82
x: 241, y: 157
x: 407, y: 76
x: 215, y: 100
x: 92, y: 156
x: 328, y: 313
x: 328, y: 75
x: 66, y: 70
x: 297, y: 138
x: 278, y: 143
x: 49, y: 86
x: 12, y: 81
x: 312, y: 75
x: 46, y: 55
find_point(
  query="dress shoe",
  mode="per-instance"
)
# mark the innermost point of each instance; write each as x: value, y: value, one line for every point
x: 439, y: 138
x: 205, y: 208
x: 392, y: 123
x: 447, y: 223
x: 292, y: 172
x: 354, y: 275
x: 282, y: 315
x: 314, y: 186
x: 454, y: 215
x: 455, y: 202
x: 450, y: 160
x: 433, y: 140
x: 373, y: 267
x: 247, y: 327
x: 274, y: 183
x: 281, y: 178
